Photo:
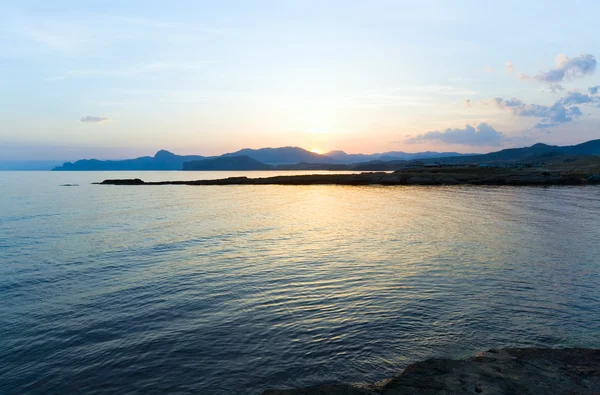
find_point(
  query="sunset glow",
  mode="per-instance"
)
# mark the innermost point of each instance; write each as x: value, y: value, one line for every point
x: 122, y: 79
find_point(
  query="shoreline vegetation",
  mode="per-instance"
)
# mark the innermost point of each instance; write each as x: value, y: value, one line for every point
x: 503, y: 371
x: 435, y: 176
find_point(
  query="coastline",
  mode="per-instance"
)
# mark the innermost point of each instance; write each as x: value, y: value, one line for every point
x: 503, y: 371
x: 533, y: 177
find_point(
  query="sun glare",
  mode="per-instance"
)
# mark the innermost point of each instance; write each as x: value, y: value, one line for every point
x: 316, y: 151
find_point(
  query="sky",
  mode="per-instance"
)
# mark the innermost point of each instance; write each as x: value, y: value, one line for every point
x: 115, y: 79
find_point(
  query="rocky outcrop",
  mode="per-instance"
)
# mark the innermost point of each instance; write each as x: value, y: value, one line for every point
x: 495, y: 372
x: 411, y: 177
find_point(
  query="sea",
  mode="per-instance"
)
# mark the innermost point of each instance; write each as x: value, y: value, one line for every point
x: 236, y: 289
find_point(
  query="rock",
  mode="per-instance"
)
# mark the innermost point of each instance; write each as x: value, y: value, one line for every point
x: 326, y: 389
x: 414, y: 177
x: 494, y: 372
x: 416, y: 180
x: 594, y: 178
x: 126, y: 181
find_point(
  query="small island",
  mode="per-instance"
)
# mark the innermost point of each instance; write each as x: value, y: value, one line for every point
x: 452, y: 175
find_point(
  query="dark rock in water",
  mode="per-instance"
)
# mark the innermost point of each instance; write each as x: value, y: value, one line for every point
x: 594, y: 178
x: 126, y: 181
x: 495, y: 372
x: 69, y: 185
x: 326, y: 389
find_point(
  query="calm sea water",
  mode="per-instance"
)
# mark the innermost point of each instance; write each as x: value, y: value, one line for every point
x: 233, y: 289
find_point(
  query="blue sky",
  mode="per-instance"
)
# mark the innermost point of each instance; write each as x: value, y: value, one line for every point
x: 113, y: 79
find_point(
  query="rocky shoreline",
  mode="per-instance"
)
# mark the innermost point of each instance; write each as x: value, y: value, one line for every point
x: 410, y: 177
x: 494, y: 372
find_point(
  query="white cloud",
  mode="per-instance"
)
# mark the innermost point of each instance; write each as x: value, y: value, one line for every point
x: 479, y: 135
x: 94, y: 119
x: 568, y: 68
x: 562, y: 111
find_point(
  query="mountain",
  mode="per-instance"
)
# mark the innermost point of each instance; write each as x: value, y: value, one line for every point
x: 282, y: 155
x: 298, y: 158
x: 243, y: 162
x: 342, y: 157
x: 162, y: 160
x: 537, y: 151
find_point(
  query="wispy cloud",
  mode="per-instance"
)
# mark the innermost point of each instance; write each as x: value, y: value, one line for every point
x: 56, y: 37
x: 524, y: 77
x: 474, y: 135
x: 488, y: 68
x: 443, y: 90
x: 159, y: 24
x: 157, y: 67
x: 94, y: 119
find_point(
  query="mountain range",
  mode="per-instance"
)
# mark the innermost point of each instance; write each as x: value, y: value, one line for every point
x: 162, y: 160
x: 537, y: 151
x: 295, y: 158
x: 272, y: 157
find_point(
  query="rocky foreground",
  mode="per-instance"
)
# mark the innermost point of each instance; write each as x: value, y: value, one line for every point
x: 409, y: 177
x: 506, y: 371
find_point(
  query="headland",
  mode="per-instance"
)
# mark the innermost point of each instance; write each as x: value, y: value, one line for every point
x: 422, y: 176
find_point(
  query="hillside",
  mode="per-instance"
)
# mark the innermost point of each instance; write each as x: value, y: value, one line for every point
x: 344, y: 158
x: 537, y: 151
x: 282, y: 155
x: 162, y: 160
x: 242, y: 162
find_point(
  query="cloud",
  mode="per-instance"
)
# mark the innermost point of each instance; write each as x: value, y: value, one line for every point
x: 545, y: 126
x: 594, y: 89
x: 524, y: 77
x: 489, y: 69
x: 506, y: 103
x: 563, y: 110
x: 510, y: 67
x: 577, y: 98
x: 480, y: 135
x: 580, y: 66
x: 94, y: 119
x: 555, y: 88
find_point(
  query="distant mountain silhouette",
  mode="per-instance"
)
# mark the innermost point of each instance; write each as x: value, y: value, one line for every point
x: 298, y: 158
x: 342, y: 157
x: 162, y: 160
x: 282, y: 155
x: 537, y: 151
x: 242, y: 162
